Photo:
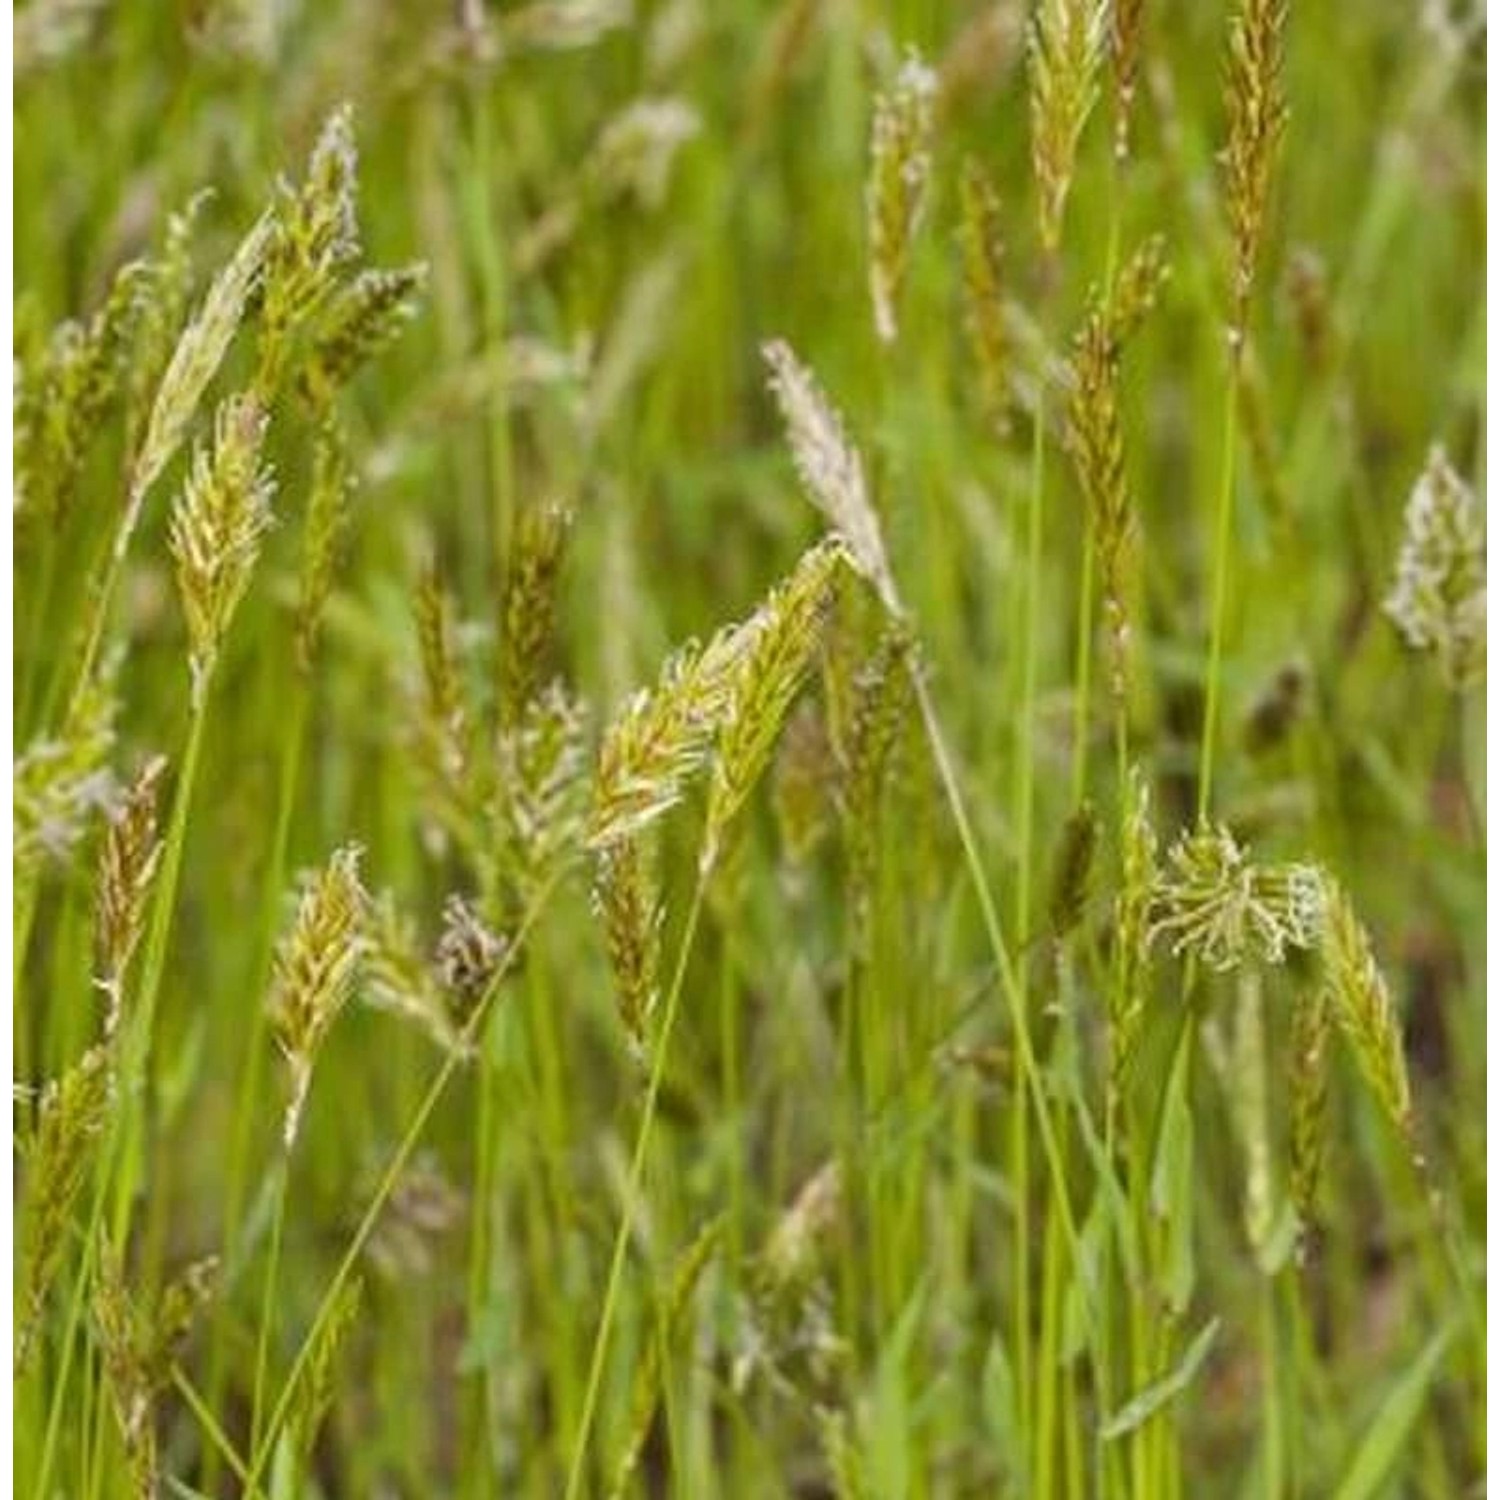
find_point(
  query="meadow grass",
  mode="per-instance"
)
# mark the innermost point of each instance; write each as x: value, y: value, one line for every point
x: 749, y: 749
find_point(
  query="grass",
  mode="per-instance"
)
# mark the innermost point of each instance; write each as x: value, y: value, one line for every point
x: 971, y: 986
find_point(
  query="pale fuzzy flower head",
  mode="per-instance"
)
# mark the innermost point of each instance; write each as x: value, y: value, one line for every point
x: 896, y: 195
x: 1438, y: 601
x: 1212, y: 902
x: 829, y: 466
x: 638, y: 147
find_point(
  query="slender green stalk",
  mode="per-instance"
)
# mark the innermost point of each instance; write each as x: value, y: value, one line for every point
x: 256, y: 1047
x: 1223, y: 530
x: 632, y: 1188
x: 268, y: 1296
x: 221, y: 1444
x: 389, y: 1178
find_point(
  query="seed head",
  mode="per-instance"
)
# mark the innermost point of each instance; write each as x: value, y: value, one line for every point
x: 314, y: 971
x: 529, y: 611
x: 216, y: 531
x: 829, y: 466
x: 361, y: 320
x: 1438, y: 602
x: 983, y: 248
x: 896, y: 195
x: 626, y: 900
x: 328, y: 508
x: 1067, y: 43
x: 1212, y: 902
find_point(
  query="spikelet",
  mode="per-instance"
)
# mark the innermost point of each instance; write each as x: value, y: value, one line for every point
x: 361, y: 320
x: 1072, y: 870
x: 327, y: 522
x: 139, y: 1348
x: 59, y: 782
x: 1127, y: 22
x: 445, y: 719
x: 195, y: 360
x: 1136, y: 288
x: 797, y: 1240
x: 216, y: 530
x: 56, y: 1158
x: 397, y: 977
x: 801, y: 783
x: 1097, y: 443
x: 164, y: 302
x: 1312, y: 1022
x: 783, y: 635
x: 1214, y: 903
x: 529, y: 611
x: 1438, y: 601
x: 646, y: 1382
x: 563, y: 25
x: 1066, y: 45
x: 982, y: 247
x: 541, y: 791
x: 469, y: 958
x: 896, y: 194
x: 1257, y: 119
x: 315, y: 1391
x: 881, y: 701
x: 124, y: 1347
x: 45, y: 32
x: 1138, y: 876
x: 314, y: 970
x: 627, y: 902
x: 127, y: 866
x: 636, y: 149
x: 316, y: 234
x: 845, y: 1463
x: 1361, y: 1006
x: 829, y: 466
x: 662, y: 736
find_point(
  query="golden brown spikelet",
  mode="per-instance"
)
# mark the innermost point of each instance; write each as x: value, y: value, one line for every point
x: 1257, y: 119
x: 56, y: 1158
x: 314, y: 970
x: 1312, y: 1023
x: 626, y: 900
x: 783, y: 635
x: 127, y: 866
x: 1067, y: 40
x: 662, y: 736
x: 316, y: 233
x: 541, y: 787
x: 361, y: 320
x: 1360, y: 1003
x: 217, y: 526
x: 882, y: 702
x: 982, y: 245
x: 1138, y: 876
x: 529, y: 611
x: 469, y: 956
x: 829, y: 466
x: 327, y: 522
x: 896, y: 193
x: 1127, y: 24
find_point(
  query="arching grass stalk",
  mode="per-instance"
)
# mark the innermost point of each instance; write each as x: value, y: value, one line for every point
x: 389, y: 1178
x: 283, y: 1171
x: 633, y: 1182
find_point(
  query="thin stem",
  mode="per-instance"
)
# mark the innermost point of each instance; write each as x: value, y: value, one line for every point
x: 268, y: 1295
x: 388, y: 1181
x: 222, y: 1446
x: 633, y: 1183
x: 1222, y: 533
